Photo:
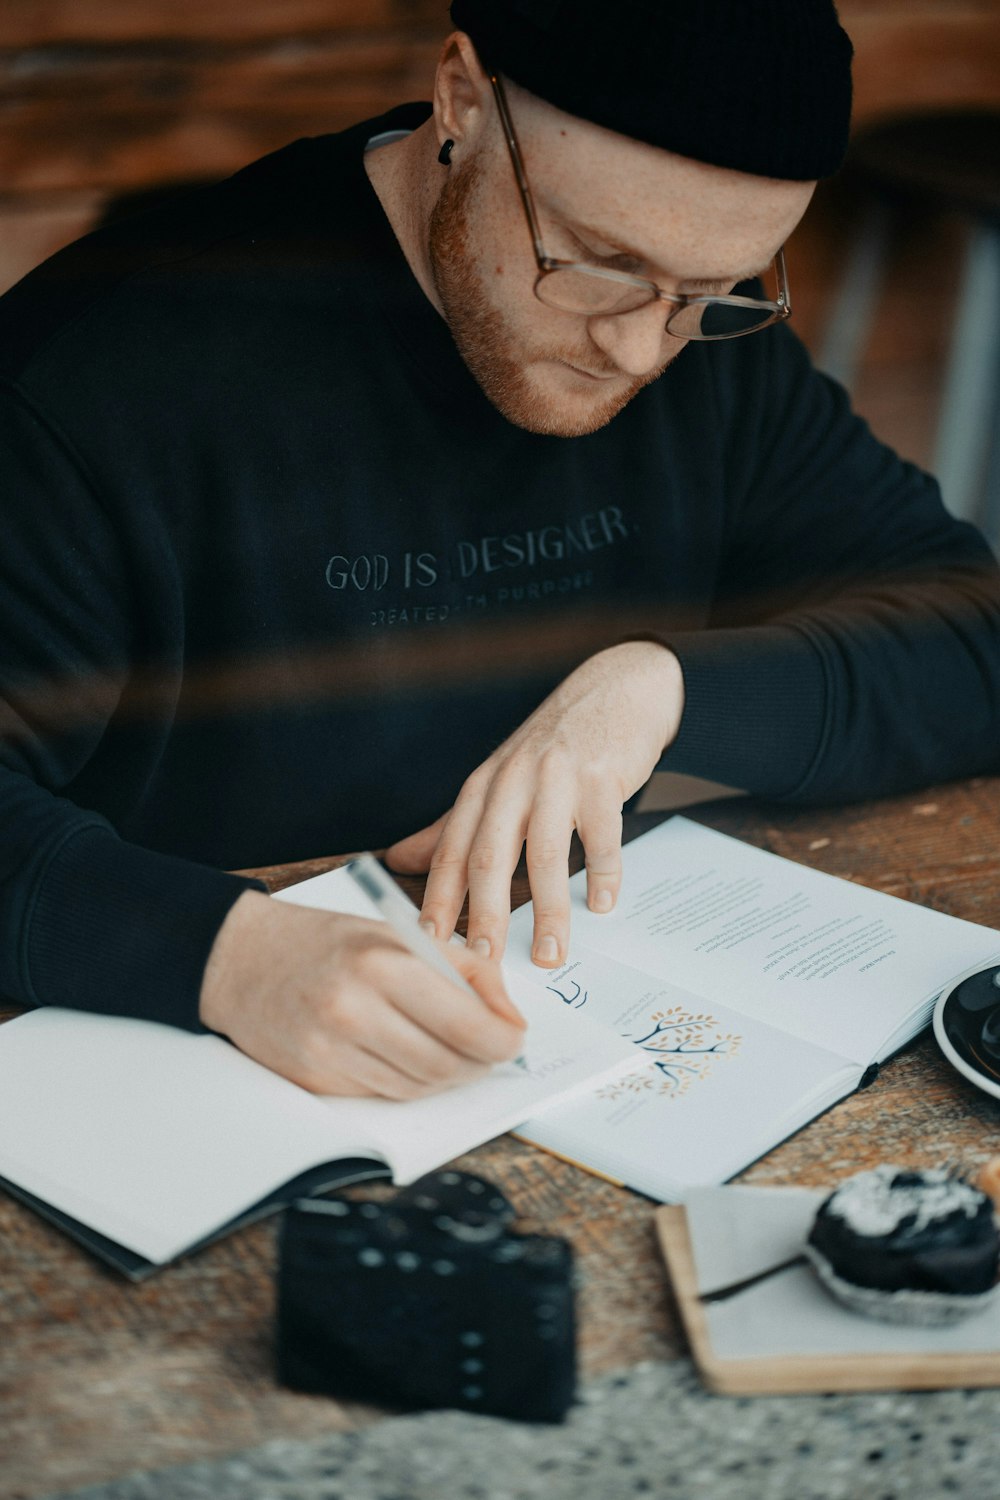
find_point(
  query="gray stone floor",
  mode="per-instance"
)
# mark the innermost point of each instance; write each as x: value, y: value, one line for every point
x: 651, y: 1432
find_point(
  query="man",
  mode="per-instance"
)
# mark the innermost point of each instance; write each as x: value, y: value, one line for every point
x: 435, y: 437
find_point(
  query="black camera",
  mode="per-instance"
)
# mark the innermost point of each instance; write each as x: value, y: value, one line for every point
x: 428, y: 1299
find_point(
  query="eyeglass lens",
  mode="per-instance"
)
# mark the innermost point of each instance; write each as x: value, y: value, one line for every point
x: 589, y: 293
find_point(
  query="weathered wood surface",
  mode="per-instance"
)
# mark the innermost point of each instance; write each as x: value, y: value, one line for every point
x: 98, y: 1377
x: 116, y: 122
x: 32, y: 24
x: 44, y: 23
x: 117, y: 95
x: 922, y: 56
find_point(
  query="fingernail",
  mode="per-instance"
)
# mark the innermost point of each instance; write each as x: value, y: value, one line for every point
x: 428, y: 926
x: 482, y: 946
x: 601, y: 901
x: 546, y: 951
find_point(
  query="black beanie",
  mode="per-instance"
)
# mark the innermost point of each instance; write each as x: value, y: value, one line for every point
x: 762, y: 86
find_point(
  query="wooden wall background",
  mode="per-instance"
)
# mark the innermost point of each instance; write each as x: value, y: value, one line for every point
x: 98, y: 97
x: 102, y: 97
x: 111, y: 94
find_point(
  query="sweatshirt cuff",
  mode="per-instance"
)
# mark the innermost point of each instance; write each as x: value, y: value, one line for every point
x: 754, y: 708
x: 124, y: 931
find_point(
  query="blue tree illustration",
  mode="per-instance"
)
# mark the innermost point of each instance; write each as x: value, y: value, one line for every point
x: 685, y: 1047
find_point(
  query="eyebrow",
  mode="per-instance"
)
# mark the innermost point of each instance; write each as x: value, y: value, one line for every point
x: 734, y: 276
x: 693, y: 281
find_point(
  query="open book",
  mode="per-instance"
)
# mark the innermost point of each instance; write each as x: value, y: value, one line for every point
x: 730, y: 998
x: 756, y: 992
x: 144, y: 1141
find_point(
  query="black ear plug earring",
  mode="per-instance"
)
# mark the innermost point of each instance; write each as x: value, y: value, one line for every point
x: 444, y: 155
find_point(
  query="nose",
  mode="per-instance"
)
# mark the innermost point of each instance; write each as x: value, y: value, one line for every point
x: 635, y: 341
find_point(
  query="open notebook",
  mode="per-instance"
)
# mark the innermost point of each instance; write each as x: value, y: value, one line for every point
x: 730, y: 998
x: 144, y: 1142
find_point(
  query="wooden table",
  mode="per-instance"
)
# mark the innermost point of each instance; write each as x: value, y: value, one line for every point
x: 99, y: 1378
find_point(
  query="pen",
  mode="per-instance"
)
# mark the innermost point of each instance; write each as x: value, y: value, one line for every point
x: 404, y: 919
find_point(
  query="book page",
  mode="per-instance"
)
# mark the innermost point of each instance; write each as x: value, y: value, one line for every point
x: 151, y: 1135
x: 710, y: 1089
x: 563, y: 1056
x: 828, y: 961
x: 558, y: 1056
x: 157, y: 1137
x: 334, y: 890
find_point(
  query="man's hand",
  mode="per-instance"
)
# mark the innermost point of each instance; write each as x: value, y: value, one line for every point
x: 338, y: 1005
x: 572, y: 764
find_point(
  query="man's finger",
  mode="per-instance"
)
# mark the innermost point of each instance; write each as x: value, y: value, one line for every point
x: 493, y: 857
x: 447, y: 880
x: 363, y: 1072
x: 423, y: 1062
x: 412, y: 855
x: 486, y: 978
x: 550, y: 830
x: 600, y: 830
x: 472, y: 1027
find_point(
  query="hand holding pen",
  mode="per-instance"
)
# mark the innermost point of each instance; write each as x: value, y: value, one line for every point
x: 344, y: 1005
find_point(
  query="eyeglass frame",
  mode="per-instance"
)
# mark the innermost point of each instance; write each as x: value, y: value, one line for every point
x: 779, y: 310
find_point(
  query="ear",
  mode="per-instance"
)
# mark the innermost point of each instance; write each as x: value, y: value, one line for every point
x: 461, y: 93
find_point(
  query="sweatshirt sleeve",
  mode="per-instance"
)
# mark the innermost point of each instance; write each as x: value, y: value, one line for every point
x: 87, y: 919
x: 855, y: 641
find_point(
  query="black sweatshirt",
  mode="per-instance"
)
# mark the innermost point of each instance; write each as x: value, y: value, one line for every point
x: 275, y: 576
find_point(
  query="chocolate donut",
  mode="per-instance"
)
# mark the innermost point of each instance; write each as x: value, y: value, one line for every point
x: 907, y: 1246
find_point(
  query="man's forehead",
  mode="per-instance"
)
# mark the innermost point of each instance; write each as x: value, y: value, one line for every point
x: 642, y: 200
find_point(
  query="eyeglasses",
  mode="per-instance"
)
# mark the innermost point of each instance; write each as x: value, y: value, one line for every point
x: 572, y: 286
